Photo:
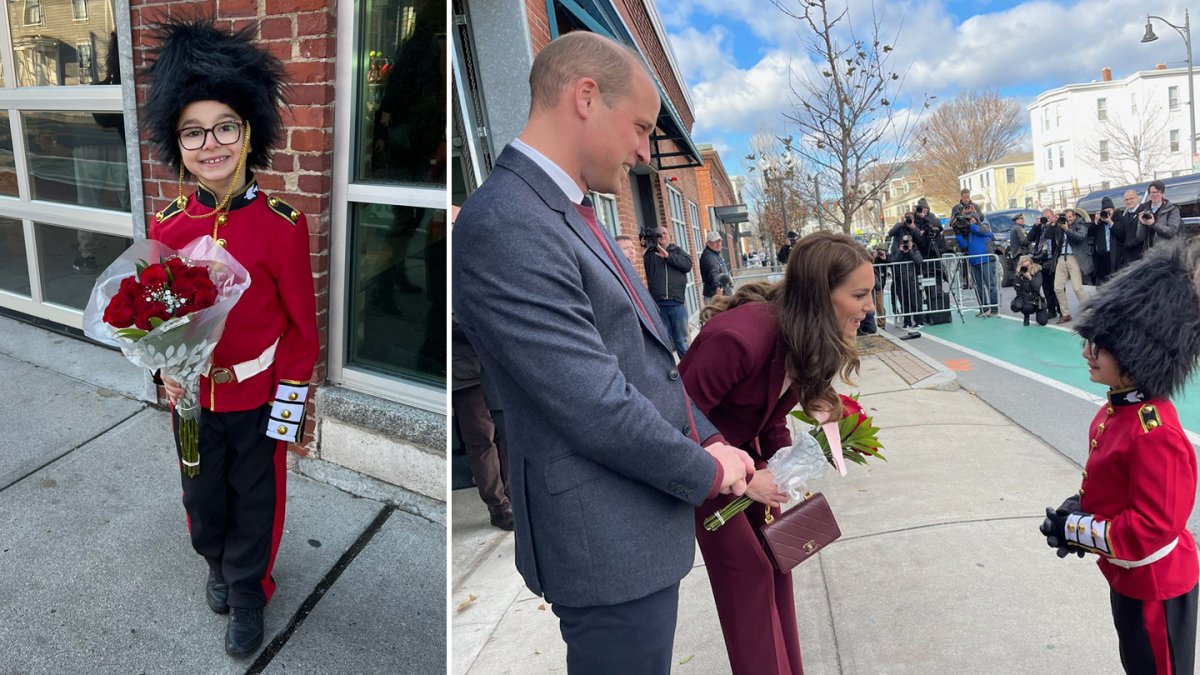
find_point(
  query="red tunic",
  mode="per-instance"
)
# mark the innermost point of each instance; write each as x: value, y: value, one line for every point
x: 270, y: 239
x: 1140, y: 484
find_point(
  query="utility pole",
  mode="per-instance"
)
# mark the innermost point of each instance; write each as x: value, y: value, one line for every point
x: 820, y: 208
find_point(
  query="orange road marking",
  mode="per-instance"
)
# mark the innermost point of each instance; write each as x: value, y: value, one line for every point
x: 959, y: 365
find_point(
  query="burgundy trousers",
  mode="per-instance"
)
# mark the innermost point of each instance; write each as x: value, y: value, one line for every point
x: 755, y: 602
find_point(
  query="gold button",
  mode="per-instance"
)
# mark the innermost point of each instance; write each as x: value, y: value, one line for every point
x: 221, y: 243
x: 1070, y: 527
x: 1152, y: 424
x: 295, y: 215
x: 158, y: 217
x: 1111, y: 410
x: 1093, y: 442
x: 1100, y: 429
x: 281, y: 430
x: 273, y: 202
x: 1095, y: 534
x: 180, y: 201
x: 222, y: 219
x: 292, y: 396
x: 286, y: 414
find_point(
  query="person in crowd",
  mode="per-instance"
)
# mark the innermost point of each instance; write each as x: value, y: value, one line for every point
x: 609, y: 455
x: 907, y: 227
x: 667, y: 268
x: 1018, y: 239
x: 212, y: 112
x: 628, y: 247
x: 1127, y: 245
x: 905, y: 282
x: 1158, y: 218
x: 483, y: 439
x: 978, y: 244
x: 1101, y: 241
x: 1072, y: 260
x: 880, y: 264
x: 784, y: 250
x: 965, y: 207
x: 1141, y: 337
x: 713, y: 271
x: 1027, y: 284
x: 759, y: 354
x: 1042, y: 238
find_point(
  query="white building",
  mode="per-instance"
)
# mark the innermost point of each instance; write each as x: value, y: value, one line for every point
x: 1109, y: 132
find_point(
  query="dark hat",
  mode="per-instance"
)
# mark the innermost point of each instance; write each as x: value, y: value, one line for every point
x: 196, y: 62
x: 1106, y: 203
x: 792, y: 236
x: 1148, y: 316
x: 1019, y: 216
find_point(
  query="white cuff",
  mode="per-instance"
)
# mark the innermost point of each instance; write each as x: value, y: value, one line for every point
x: 287, y: 413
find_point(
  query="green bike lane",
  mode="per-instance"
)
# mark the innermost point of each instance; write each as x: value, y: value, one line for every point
x: 1052, y: 353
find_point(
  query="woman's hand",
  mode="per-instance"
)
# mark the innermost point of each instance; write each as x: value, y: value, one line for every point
x: 174, y: 389
x: 762, y: 489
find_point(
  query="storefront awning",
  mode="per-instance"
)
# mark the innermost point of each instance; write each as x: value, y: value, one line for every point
x: 732, y: 214
x: 601, y: 16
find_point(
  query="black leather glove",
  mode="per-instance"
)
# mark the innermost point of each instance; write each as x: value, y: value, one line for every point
x: 1054, y: 528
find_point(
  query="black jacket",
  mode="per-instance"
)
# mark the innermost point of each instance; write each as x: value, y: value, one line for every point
x: 712, y: 266
x: 1126, y: 239
x: 667, y: 278
x: 1029, y: 291
x: 784, y: 251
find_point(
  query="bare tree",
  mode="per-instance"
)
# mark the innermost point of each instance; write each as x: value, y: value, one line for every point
x: 848, y: 127
x: 774, y: 181
x: 1129, y: 148
x: 973, y: 130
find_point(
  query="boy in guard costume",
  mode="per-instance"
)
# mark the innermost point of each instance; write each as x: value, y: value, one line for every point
x: 1142, y: 332
x: 213, y: 113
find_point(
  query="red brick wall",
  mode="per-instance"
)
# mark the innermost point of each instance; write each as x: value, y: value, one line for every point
x: 301, y: 33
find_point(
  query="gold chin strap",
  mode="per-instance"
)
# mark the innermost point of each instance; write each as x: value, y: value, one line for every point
x: 219, y: 212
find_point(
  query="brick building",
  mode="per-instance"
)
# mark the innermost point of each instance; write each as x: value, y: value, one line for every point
x: 363, y: 155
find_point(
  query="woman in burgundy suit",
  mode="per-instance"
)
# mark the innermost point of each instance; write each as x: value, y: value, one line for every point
x: 759, y: 354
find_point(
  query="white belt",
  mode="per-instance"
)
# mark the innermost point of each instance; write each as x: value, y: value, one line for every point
x: 1153, y: 557
x: 246, y: 369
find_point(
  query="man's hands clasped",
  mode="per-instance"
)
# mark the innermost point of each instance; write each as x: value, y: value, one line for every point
x: 737, y: 465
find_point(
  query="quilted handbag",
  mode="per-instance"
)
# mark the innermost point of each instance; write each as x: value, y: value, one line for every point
x: 799, y: 533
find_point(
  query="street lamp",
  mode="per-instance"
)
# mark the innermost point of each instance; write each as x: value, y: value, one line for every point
x: 1186, y: 32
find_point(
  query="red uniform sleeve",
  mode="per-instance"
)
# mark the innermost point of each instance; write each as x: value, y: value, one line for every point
x: 298, y: 346
x: 1162, y: 491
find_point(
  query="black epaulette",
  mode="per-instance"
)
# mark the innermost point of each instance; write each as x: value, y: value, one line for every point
x: 284, y: 209
x: 1149, y: 416
x: 170, y: 210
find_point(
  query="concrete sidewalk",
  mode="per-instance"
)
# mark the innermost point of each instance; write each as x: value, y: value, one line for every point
x: 97, y: 571
x: 940, y: 568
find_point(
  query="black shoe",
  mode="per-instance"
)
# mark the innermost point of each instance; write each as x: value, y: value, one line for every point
x: 87, y: 265
x: 244, y: 635
x: 1026, y: 320
x: 216, y: 592
x: 503, y: 520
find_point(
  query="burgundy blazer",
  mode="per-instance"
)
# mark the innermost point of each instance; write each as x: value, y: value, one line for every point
x: 734, y: 371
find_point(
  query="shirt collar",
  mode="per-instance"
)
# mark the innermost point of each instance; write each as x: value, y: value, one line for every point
x: 1126, y: 396
x: 244, y: 197
x: 560, y: 177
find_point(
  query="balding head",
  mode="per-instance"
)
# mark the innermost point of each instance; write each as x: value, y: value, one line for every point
x: 577, y: 55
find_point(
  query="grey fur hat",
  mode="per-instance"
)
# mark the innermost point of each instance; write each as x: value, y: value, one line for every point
x: 1148, y: 317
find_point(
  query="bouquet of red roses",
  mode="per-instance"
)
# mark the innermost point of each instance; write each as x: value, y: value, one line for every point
x: 811, y: 454
x: 168, y: 316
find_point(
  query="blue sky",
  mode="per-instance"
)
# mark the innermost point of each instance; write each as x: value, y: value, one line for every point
x: 736, y: 54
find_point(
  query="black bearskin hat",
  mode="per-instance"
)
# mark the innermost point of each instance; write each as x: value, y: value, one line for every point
x: 1148, y: 317
x: 196, y: 62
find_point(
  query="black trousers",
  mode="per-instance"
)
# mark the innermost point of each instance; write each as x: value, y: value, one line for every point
x: 484, y: 443
x: 235, y: 506
x: 1156, y: 636
x: 1048, y: 289
x: 632, y: 638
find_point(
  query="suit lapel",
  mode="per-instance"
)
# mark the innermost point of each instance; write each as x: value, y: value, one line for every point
x: 517, y: 162
x: 775, y: 375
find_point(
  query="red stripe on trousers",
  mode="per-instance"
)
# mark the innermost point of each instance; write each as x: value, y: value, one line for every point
x: 268, y: 586
x: 1154, y: 616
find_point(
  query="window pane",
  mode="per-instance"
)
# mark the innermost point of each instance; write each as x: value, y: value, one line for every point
x: 14, y: 267
x: 78, y: 158
x: 59, y: 251
x: 47, y: 37
x: 397, y: 291
x: 400, y: 115
x: 8, y: 170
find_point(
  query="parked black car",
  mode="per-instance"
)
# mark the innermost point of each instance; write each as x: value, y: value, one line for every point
x: 1001, y: 223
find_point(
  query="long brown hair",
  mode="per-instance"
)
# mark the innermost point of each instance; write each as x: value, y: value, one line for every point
x: 816, y: 349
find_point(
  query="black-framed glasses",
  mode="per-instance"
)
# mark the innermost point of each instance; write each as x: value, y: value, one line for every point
x: 225, y: 133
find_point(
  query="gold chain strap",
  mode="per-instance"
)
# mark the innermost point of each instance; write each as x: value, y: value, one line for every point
x: 219, y: 211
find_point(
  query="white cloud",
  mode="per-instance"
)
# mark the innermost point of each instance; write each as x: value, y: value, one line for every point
x: 740, y: 100
x: 700, y: 55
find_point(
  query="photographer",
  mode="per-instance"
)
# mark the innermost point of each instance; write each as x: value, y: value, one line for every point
x: 1126, y: 243
x: 713, y: 272
x: 965, y: 208
x: 880, y: 264
x: 1101, y: 235
x: 786, y: 249
x: 1157, y: 217
x: 1027, y: 282
x: 1071, y: 257
x: 1041, y: 238
x: 907, y: 227
x: 667, y: 269
x: 905, y: 285
x: 978, y: 242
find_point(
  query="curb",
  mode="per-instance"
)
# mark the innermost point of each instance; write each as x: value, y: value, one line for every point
x: 943, y: 378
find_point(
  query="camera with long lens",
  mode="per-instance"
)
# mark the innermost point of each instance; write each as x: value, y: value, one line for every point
x: 1146, y: 216
x: 650, y: 237
x: 905, y: 243
x: 1062, y: 219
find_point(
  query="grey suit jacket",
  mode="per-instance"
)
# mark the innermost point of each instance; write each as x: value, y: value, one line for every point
x: 603, y: 473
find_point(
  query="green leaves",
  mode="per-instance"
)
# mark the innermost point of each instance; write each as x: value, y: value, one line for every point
x: 133, y: 334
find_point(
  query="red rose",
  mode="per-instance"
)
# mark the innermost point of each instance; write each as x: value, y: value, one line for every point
x: 197, y: 272
x: 177, y: 267
x: 130, y: 288
x: 153, y: 309
x: 120, y: 312
x: 154, y: 276
x: 850, y: 406
x: 205, y: 297
x: 184, y: 287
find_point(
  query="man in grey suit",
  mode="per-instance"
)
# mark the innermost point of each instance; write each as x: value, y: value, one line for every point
x: 608, y: 456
